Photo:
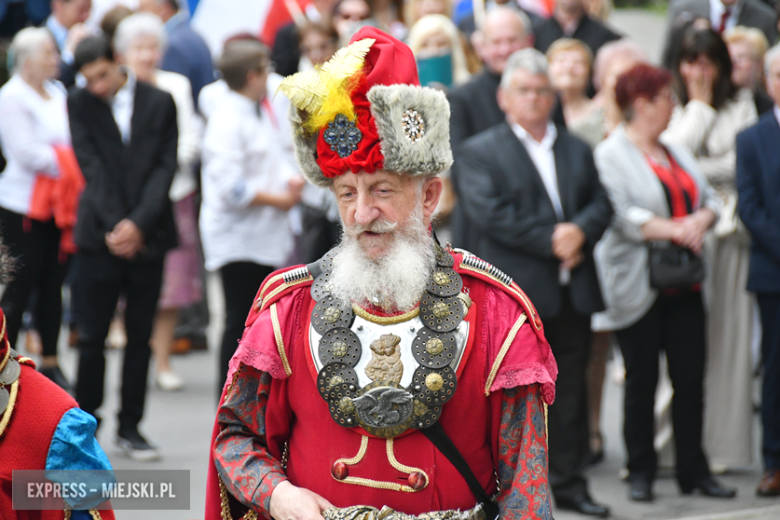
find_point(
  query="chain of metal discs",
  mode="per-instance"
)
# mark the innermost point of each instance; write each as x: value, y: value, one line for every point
x: 434, y: 348
x: 8, y: 376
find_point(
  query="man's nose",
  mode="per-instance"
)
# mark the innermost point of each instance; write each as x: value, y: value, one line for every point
x: 365, y: 212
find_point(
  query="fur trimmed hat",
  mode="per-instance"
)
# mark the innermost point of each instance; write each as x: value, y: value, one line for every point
x: 364, y: 110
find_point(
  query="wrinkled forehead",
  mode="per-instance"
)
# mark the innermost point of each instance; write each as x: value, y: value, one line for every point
x: 363, y: 179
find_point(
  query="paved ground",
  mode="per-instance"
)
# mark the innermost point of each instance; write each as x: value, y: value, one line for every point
x: 181, y: 423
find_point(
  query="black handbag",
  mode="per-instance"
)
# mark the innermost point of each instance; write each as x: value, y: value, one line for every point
x: 674, y: 267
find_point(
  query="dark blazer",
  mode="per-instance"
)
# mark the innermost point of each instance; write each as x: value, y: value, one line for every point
x: 591, y: 32
x: 125, y: 181
x: 188, y: 54
x: 503, y: 194
x: 286, y: 53
x: 758, y: 184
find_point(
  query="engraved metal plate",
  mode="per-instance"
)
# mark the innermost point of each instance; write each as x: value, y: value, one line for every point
x: 433, y: 349
x: 10, y: 372
x: 320, y: 289
x: 444, y: 258
x: 340, y: 345
x: 445, y: 282
x: 328, y: 314
x: 384, y: 409
x: 441, y: 314
x: 333, y: 375
x: 4, y: 398
x: 340, y: 404
x: 434, y: 397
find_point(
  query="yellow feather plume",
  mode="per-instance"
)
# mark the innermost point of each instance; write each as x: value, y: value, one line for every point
x: 326, y: 93
x: 306, y: 90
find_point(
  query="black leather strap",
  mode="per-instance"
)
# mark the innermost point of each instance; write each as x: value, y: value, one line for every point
x: 444, y: 444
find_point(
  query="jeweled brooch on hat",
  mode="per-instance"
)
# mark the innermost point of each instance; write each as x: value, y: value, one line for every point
x: 342, y: 135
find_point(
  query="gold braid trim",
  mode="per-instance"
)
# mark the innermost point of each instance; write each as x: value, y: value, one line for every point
x: 502, y: 353
x: 66, y: 514
x: 270, y: 282
x: 376, y: 484
x: 401, y: 467
x: 280, y: 340
x: 225, y: 505
x: 10, y: 408
x: 511, y: 288
x: 385, y: 320
x: 7, y: 346
x: 281, y: 288
x: 95, y: 514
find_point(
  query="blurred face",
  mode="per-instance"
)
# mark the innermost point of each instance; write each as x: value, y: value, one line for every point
x: 728, y: 3
x: 700, y: 69
x: 142, y: 56
x: 653, y: 115
x: 374, y: 207
x: 528, y: 99
x: 317, y: 47
x: 773, y: 80
x: 569, y: 5
x: 746, y: 67
x: 350, y: 13
x: 43, y: 64
x: 71, y: 12
x: 426, y: 7
x: 435, y: 44
x: 150, y: 6
x: 104, y: 78
x: 569, y: 70
x: 502, y: 36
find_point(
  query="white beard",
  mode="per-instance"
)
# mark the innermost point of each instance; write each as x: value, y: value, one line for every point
x: 396, y: 281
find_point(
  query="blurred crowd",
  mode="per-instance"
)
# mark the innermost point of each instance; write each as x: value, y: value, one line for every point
x: 636, y: 203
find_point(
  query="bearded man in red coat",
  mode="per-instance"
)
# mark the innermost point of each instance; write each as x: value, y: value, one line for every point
x: 393, y: 378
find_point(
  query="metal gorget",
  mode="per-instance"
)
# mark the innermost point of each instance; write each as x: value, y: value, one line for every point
x: 389, y: 374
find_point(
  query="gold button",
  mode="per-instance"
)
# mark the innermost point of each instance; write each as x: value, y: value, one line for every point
x: 441, y: 278
x: 440, y: 309
x: 434, y: 346
x: 332, y: 315
x: 434, y: 382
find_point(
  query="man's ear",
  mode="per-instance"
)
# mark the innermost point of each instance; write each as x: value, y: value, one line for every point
x: 431, y: 193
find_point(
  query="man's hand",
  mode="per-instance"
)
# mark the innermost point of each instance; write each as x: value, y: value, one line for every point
x: 125, y: 240
x: 567, y: 241
x: 75, y: 35
x: 289, y: 502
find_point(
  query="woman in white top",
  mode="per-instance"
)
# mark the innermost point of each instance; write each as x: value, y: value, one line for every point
x: 33, y: 121
x: 139, y: 42
x: 712, y: 112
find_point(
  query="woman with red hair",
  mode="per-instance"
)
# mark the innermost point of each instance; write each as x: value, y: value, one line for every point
x: 660, y: 200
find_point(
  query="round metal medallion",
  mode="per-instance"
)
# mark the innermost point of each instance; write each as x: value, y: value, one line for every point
x: 445, y: 281
x: 339, y: 399
x: 327, y: 315
x: 333, y: 375
x: 434, y: 349
x: 443, y: 383
x: 428, y: 415
x: 326, y: 262
x: 444, y: 258
x: 384, y: 408
x: 441, y: 314
x: 10, y: 372
x: 413, y: 125
x: 4, y: 398
x: 320, y: 289
x: 340, y: 345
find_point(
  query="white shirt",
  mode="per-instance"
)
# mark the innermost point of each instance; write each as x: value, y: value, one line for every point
x: 29, y: 128
x: 542, y: 155
x: 544, y: 159
x: 245, y: 153
x: 776, y: 111
x: 716, y: 14
x: 190, y: 130
x: 122, y: 105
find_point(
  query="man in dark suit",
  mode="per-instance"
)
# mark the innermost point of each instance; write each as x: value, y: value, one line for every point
x: 570, y: 20
x: 187, y: 52
x: 725, y: 15
x: 534, y: 193
x: 66, y: 25
x: 125, y: 137
x: 474, y: 106
x: 758, y: 185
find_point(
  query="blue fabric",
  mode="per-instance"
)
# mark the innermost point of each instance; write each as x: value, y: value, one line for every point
x: 188, y: 55
x: 75, y: 456
x: 462, y: 9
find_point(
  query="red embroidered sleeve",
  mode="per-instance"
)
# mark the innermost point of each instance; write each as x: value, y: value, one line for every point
x: 243, y: 462
x: 522, y: 456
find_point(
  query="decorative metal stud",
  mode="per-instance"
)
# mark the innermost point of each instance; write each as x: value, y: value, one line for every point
x: 342, y: 136
x: 434, y: 382
x: 413, y: 125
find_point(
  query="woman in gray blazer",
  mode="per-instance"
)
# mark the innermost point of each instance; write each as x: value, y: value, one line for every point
x: 658, y: 195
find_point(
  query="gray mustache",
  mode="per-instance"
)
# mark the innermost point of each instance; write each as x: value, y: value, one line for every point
x: 378, y: 226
